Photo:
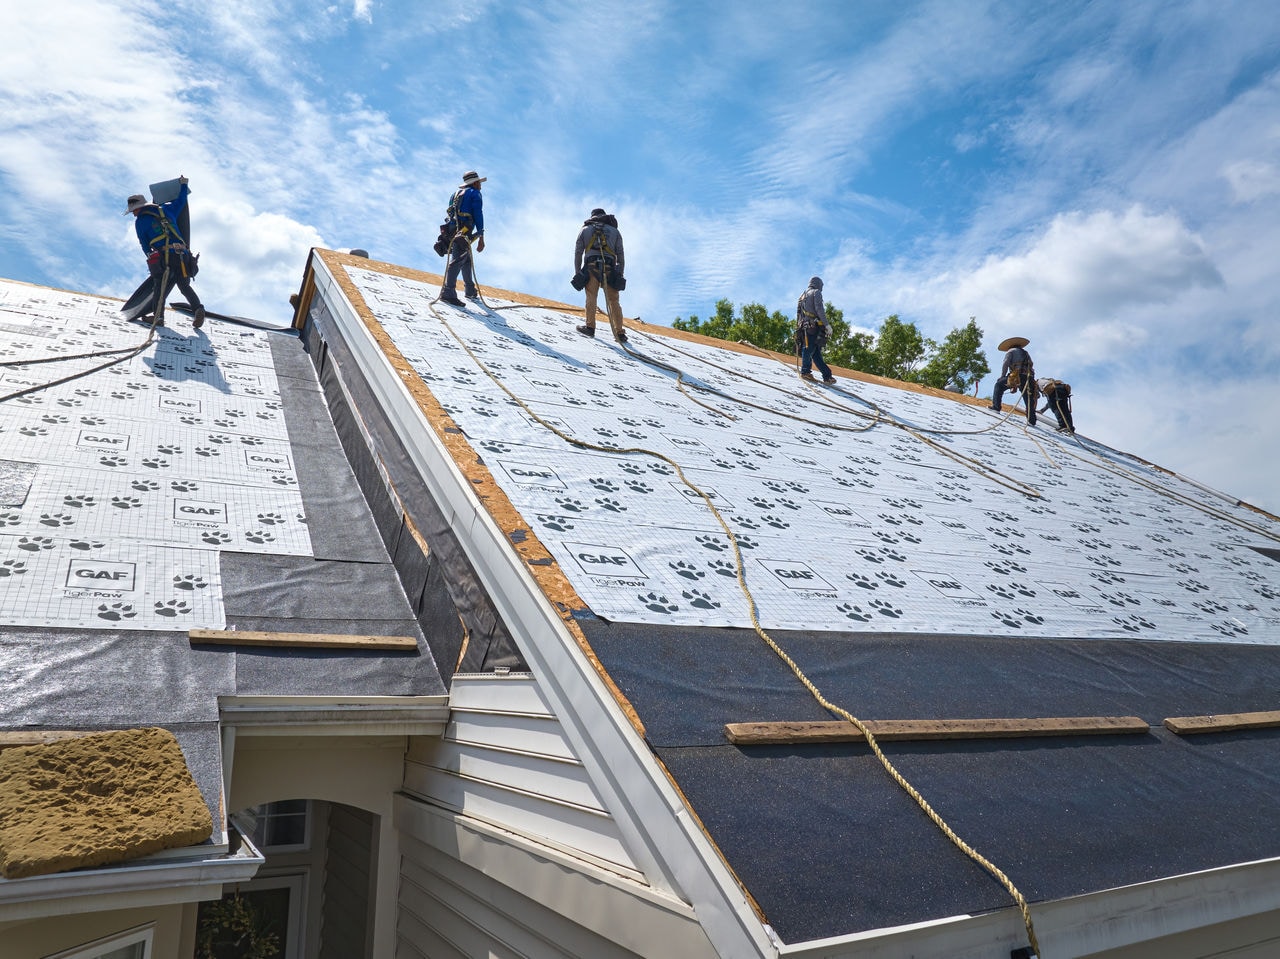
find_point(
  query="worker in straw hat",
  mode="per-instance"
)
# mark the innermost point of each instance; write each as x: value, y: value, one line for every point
x: 1018, y: 373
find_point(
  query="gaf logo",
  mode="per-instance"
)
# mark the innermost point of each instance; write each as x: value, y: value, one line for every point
x: 599, y: 560
x: 17, y: 379
x: 103, y: 441
x: 183, y: 406
x: 91, y: 574
x: 250, y: 379
x: 532, y: 474
x: 947, y: 585
x: 195, y: 511
x: 692, y: 495
x: 266, y: 461
x: 795, y: 575
x: 686, y: 443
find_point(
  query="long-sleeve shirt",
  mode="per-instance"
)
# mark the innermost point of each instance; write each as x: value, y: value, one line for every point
x: 1017, y: 359
x: 469, y: 210
x: 149, y: 227
x: 609, y: 244
x: 810, y: 309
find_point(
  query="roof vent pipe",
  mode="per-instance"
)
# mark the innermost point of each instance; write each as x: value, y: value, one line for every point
x: 363, y: 253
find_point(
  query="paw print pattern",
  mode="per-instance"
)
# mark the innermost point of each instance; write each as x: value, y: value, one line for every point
x: 603, y: 485
x: 259, y: 536
x: 612, y: 505
x: 687, y: 570
x: 184, y: 486
x: 760, y: 503
x: 125, y: 502
x: 1000, y: 590
x: 85, y: 545
x: 697, y: 598
x: 1133, y: 624
x: 635, y: 469
x: 270, y: 519
x: 1210, y: 606
x: 165, y: 449
x: 723, y: 567
x: 172, y: 608
x: 854, y: 612
x: 889, y: 579
x: 56, y: 520
x: 284, y: 481
x: 252, y: 440
x: 636, y: 486
x: 216, y: 537
x: 33, y: 431
x: 55, y: 419
x: 493, y: 446
x: 1230, y: 628
x: 657, y: 603
x: 571, y: 504
x: 116, y: 612
x: 713, y: 543
x: 207, y: 451
x: 777, y: 522
x: 863, y: 582
x: 34, y: 544
x: 155, y: 464
x: 561, y: 524
x: 12, y: 567
x: 79, y: 501
x: 220, y: 439
x: 145, y: 485
x: 189, y: 581
x: 885, y: 608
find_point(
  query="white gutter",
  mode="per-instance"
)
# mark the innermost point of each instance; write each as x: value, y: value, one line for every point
x: 141, y: 884
x: 671, y: 850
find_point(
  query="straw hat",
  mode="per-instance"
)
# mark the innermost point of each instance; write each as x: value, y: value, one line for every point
x: 1011, y: 342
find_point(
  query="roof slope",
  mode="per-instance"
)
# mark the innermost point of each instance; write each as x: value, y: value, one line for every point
x: 918, y: 557
x: 195, y: 482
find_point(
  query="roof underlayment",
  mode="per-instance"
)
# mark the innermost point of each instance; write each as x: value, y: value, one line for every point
x: 919, y: 557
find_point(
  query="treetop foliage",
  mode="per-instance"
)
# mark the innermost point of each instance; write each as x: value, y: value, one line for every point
x: 897, y: 350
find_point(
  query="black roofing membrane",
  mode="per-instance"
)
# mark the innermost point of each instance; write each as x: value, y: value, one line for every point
x: 829, y: 845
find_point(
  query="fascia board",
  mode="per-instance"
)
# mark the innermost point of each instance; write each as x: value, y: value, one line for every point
x: 126, y: 887
x: 665, y: 840
x: 1080, y: 925
x: 335, y: 715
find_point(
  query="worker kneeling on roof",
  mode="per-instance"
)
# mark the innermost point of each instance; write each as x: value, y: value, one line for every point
x: 1057, y: 395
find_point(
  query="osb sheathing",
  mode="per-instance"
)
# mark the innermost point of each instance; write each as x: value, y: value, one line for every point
x: 95, y: 800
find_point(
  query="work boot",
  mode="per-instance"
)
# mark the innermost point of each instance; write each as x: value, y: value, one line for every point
x: 621, y: 337
x: 806, y: 376
x: 828, y: 380
x: 473, y: 295
x: 450, y: 297
x: 197, y: 318
x: 587, y: 331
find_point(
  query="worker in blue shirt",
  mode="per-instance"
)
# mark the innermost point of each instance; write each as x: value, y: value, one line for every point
x: 166, y: 248
x: 466, y: 214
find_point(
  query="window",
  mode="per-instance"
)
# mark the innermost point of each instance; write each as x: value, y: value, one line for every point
x: 132, y: 944
x: 280, y: 826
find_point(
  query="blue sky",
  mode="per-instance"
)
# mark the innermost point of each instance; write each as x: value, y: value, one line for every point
x: 1103, y: 178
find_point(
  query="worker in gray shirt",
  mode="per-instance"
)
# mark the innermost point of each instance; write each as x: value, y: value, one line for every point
x: 598, y: 260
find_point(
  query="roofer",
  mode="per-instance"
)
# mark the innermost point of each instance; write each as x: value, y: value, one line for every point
x: 811, y: 331
x: 166, y: 249
x: 1019, y: 374
x: 599, y: 260
x: 464, y: 222
x: 1057, y: 396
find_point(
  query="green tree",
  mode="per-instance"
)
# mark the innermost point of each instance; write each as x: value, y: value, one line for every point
x: 898, y: 350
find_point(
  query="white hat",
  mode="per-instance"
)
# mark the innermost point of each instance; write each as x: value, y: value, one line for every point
x: 471, y: 178
x: 136, y: 201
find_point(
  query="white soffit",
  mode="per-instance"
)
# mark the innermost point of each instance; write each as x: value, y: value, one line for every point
x: 122, y: 486
x: 845, y: 523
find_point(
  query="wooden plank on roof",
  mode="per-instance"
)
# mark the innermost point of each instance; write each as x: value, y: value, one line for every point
x: 248, y: 637
x: 39, y: 737
x: 1223, y: 723
x: 791, y: 733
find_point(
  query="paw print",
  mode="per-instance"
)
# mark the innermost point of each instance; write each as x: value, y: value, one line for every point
x: 55, y: 419
x: 636, y: 486
x: 746, y: 542
x: 252, y: 440
x: 259, y: 536
x: 760, y: 502
x: 56, y: 519
x: 155, y: 464
x: 885, y: 537
x: 635, y: 469
x: 145, y: 485
x: 189, y: 581
x: 862, y: 582
x: 493, y: 446
x: 571, y: 504
x: 33, y: 431
x: 172, y: 608
x: 606, y: 434
x: 854, y: 612
x: 79, y: 501
x: 713, y: 543
x: 788, y: 504
x: 889, y: 579
x: 92, y: 421
x: 699, y: 599
x: 1229, y: 628
x: 284, y: 481
x: 85, y: 545
x: 870, y: 555
x: 885, y: 608
x: 657, y: 603
x: 10, y: 519
x: 167, y: 450
x: 220, y: 439
x: 603, y: 485
x: 1133, y: 623
x: 687, y: 570
x: 116, y: 612
x: 190, y: 420
x: 34, y: 544
x: 1009, y: 619
x: 12, y: 567
x: 1029, y: 616
x: 776, y: 485
x: 561, y: 524
x: 662, y: 469
x: 612, y: 505
x: 1210, y: 606
x: 125, y: 502
x: 1023, y: 589
x: 216, y: 537
x: 723, y: 567
x: 184, y: 486
x: 1193, y: 586
x: 1000, y: 591
x: 270, y: 519
x: 207, y: 451
x: 777, y: 522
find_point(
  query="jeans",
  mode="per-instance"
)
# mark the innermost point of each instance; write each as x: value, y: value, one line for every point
x: 1025, y: 392
x: 459, y: 260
